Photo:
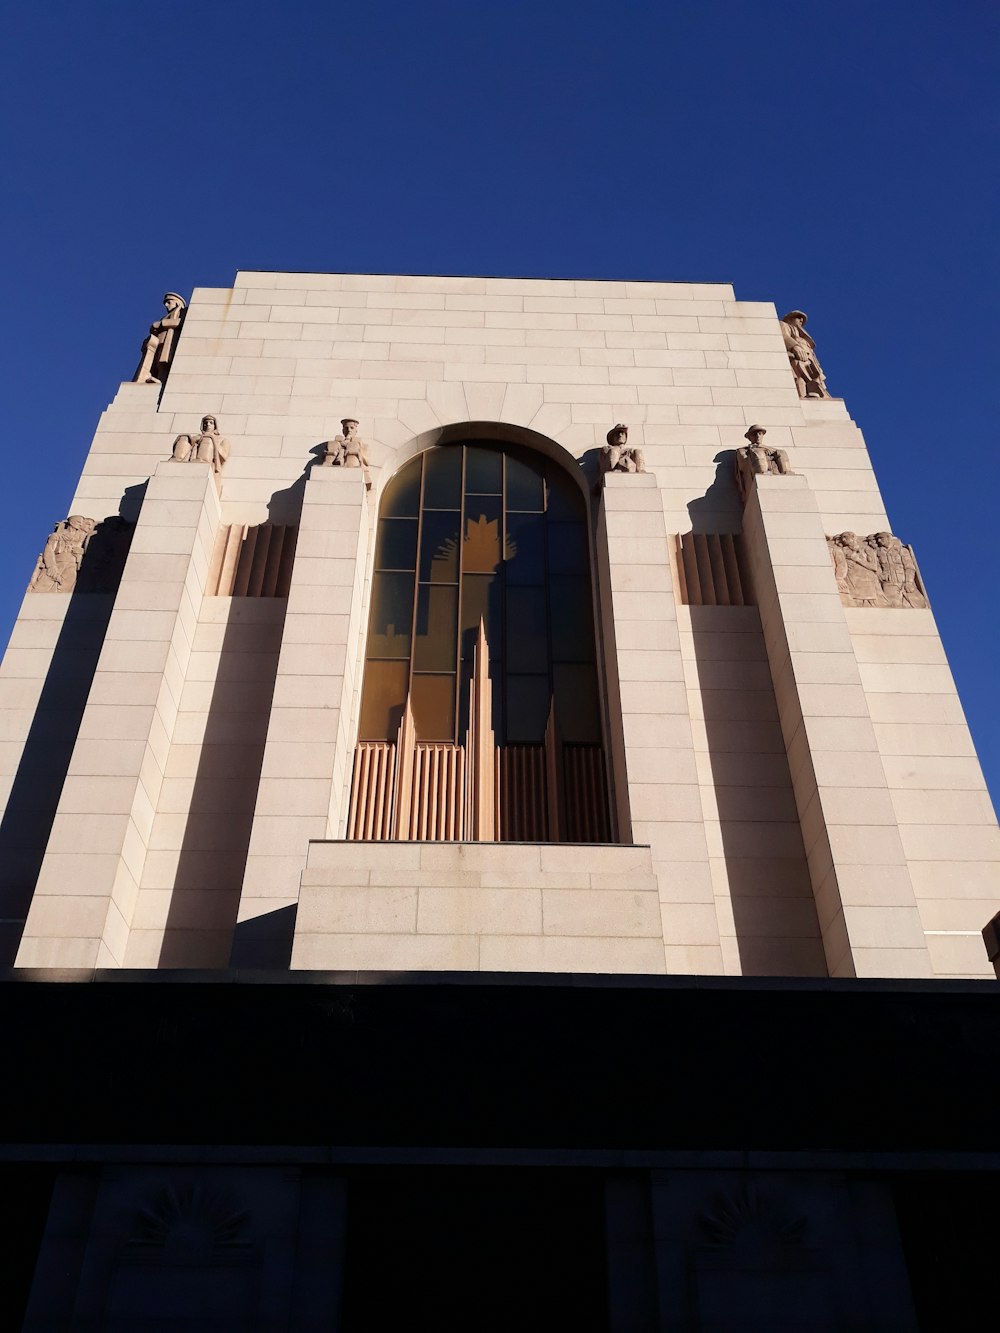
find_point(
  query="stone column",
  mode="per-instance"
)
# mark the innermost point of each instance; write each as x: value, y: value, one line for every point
x: 864, y: 897
x: 308, y: 755
x: 661, y: 803
x: 84, y: 900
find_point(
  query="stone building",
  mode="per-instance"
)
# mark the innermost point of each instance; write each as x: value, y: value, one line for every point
x: 404, y: 629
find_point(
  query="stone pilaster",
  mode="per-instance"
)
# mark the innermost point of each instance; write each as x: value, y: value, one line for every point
x: 864, y: 897
x: 308, y: 755
x: 88, y: 884
x: 652, y: 748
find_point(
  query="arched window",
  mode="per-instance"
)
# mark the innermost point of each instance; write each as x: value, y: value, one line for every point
x: 481, y: 670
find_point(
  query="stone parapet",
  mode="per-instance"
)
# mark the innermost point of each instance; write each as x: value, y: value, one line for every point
x: 478, y: 907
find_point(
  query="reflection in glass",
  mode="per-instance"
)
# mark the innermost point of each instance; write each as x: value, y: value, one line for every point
x: 382, y: 700
x: 432, y: 699
x: 579, y: 708
x: 527, y: 630
x: 525, y: 548
x: 525, y: 488
x: 570, y: 609
x: 527, y: 709
x: 483, y: 471
x: 434, y: 642
x: 568, y: 552
x: 402, y: 495
x: 396, y: 544
x: 391, y: 616
x: 443, y: 478
x: 564, y: 498
x: 521, y: 564
x: 481, y: 600
x: 481, y: 543
x: 439, y: 547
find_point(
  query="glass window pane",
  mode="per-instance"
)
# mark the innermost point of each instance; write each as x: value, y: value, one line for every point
x: 481, y: 600
x: 572, y: 624
x: 433, y: 701
x: 434, y: 642
x: 443, y: 478
x: 524, y: 549
x: 525, y: 488
x: 527, y: 709
x: 439, y: 546
x: 396, y: 544
x: 564, y: 498
x: 568, y: 552
x: 382, y: 700
x: 527, y: 630
x: 577, y: 707
x: 391, y: 615
x: 483, y: 471
x: 402, y: 494
x: 481, y: 544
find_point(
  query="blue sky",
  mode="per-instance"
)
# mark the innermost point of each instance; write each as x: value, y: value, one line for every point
x: 839, y: 157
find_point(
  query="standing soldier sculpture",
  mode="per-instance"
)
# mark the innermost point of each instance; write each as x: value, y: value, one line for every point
x: 158, y: 349
x: 809, y: 378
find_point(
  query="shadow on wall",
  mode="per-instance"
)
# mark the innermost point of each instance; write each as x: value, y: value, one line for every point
x: 200, y: 927
x: 205, y: 892
x: 773, y: 910
x: 769, y: 907
x: 719, y: 509
x: 34, y: 796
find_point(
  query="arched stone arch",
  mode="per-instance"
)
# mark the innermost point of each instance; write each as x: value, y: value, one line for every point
x: 517, y: 719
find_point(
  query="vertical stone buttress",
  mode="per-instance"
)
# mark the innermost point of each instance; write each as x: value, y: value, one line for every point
x: 89, y: 881
x: 652, y: 744
x: 308, y: 754
x: 864, y: 896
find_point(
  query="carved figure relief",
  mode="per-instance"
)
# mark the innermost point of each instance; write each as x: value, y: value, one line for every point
x: 876, y: 571
x: 616, y: 456
x: 748, y: 1214
x: 809, y: 378
x: 347, y: 450
x: 207, y: 446
x: 756, y: 459
x: 158, y: 349
x: 59, y: 563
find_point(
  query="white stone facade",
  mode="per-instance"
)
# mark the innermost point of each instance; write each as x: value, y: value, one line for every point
x: 793, y: 783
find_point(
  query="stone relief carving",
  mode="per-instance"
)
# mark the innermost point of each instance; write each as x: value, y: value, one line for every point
x: 809, y: 378
x: 749, y: 1213
x: 61, y: 566
x: 616, y: 456
x: 347, y: 450
x: 876, y: 571
x: 205, y: 446
x: 192, y: 1225
x: 756, y: 459
x: 158, y: 349
x: 59, y: 563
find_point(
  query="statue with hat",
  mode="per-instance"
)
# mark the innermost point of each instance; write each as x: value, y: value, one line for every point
x: 347, y: 450
x: 756, y: 459
x: 616, y: 456
x: 809, y: 378
x: 158, y: 349
x: 206, y: 445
